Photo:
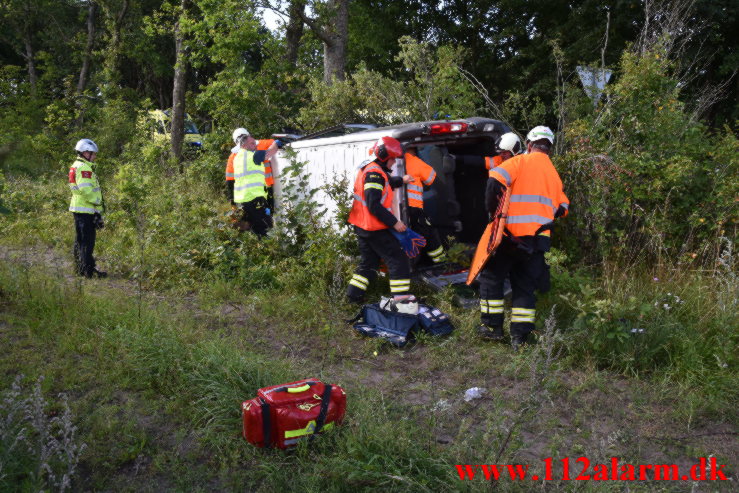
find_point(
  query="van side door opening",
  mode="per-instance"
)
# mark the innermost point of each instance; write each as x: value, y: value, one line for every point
x: 455, y: 202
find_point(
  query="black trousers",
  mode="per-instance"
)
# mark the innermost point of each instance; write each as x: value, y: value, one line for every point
x: 526, y: 271
x: 373, y: 246
x: 258, y: 214
x: 421, y: 224
x: 84, y: 243
x: 271, y: 199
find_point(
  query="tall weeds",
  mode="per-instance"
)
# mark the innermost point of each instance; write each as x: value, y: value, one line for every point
x: 39, y: 448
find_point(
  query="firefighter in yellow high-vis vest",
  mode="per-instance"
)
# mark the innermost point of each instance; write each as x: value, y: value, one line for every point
x: 87, y: 207
x: 250, y: 182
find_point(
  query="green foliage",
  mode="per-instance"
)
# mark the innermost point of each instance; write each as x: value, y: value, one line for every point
x: 643, y: 175
x: 435, y: 88
x: 36, y: 451
x: 669, y: 323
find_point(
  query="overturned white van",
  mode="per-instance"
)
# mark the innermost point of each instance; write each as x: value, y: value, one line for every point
x: 455, y: 149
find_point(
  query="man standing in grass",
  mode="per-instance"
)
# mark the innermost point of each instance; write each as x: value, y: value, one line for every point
x: 250, y: 184
x: 372, y: 218
x: 536, y: 200
x: 86, y: 206
x: 423, y: 176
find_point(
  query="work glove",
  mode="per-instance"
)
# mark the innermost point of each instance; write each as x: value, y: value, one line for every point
x: 280, y: 144
x: 410, y: 241
x: 97, y: 221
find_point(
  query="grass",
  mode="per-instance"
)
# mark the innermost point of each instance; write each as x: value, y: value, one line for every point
x: 125, y: 369
x: 157, y: 360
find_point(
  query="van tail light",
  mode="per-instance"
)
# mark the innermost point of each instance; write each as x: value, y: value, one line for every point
x: 448, y: 128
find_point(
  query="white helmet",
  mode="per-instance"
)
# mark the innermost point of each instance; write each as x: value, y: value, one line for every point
x: 238, y: 133
x: 539, y: 133
x: 84, y: 145
x: 510, y: 142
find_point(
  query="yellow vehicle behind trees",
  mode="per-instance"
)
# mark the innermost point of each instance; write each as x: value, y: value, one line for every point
x: 162, y: 125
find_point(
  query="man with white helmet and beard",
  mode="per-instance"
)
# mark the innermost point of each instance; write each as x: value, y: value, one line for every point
x: 250, y: 185
x: 86, y: 206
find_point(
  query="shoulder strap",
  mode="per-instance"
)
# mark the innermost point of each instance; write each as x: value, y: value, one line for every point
x: 321, y: 419
x: 266, y: 424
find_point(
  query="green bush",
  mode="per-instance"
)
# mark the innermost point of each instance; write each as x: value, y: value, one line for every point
x: 672, y: 323
x: 643, y: 175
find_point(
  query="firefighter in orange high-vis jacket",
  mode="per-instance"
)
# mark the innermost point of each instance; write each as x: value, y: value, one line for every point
x: 508, y: 146
x: 537, y: 199
x: 87, y: 207
x: 230, y: 165
x: 372, y: 218
x: 263, y: 145
x: 423, y: 176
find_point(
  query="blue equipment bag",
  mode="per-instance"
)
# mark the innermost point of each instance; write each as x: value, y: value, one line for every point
x: 434, y: 321
x: 399, y: 328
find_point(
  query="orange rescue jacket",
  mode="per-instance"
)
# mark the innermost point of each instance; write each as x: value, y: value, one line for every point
x: 492, y: 162
x: 230, y: 167
x: 360, y: 214
x: 263, y: 145
x: 423, y: 175
x: 536, y: 192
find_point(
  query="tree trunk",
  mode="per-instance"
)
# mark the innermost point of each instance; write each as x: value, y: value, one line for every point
x: 294, y: 31
x: 178, y: 92
x: 85, y: 70
x: 333, y: 31
x: 113, y: 55
x: 335, y: 41
x: 29, y: 56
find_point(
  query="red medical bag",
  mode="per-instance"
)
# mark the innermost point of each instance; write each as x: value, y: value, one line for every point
x: 281, y: 415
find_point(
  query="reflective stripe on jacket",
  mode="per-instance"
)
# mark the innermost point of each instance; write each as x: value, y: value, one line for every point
x: 86, y: 195
x: 536, y: 192
x: 423, y: 175
x: 249, y: 182
x: 360, y: 214
x: 263, y: 145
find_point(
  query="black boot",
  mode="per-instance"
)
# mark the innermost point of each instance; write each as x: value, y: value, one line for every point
x: 518, y: 340
x: 494, y: 334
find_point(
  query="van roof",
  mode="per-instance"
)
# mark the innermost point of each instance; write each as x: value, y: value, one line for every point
x: 428, y: 132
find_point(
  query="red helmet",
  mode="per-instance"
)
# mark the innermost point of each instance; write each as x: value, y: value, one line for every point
x: 386, y: 148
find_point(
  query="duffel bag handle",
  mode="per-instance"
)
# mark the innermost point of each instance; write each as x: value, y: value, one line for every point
x: 294, y: 390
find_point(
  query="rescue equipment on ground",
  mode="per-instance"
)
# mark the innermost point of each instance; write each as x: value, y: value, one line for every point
x: 410, y: 241
x: 282, y: 415
x: 408, y: 304
x: 398, y: 328
x: 490, y: 239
